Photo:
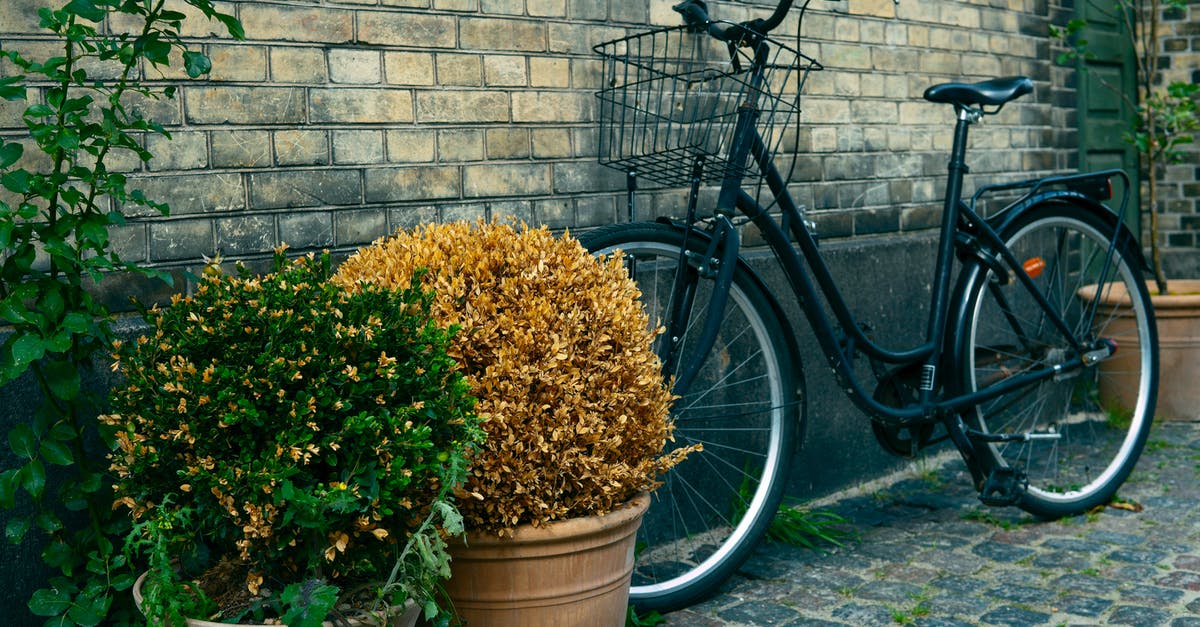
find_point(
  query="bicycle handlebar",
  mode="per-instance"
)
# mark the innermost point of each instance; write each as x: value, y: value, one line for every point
x: 695, y: 15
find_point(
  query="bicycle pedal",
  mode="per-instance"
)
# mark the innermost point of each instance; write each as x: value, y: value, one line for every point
x: 1003, y: 487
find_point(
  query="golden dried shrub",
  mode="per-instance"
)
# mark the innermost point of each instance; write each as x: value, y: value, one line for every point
x: 556, y: 348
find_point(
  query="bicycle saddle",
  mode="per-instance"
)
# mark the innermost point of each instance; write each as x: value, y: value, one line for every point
x: 994, y: 92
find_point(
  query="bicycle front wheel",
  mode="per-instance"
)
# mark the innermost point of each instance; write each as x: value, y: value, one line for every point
x: 1093, y: 422
x: 712, y: 509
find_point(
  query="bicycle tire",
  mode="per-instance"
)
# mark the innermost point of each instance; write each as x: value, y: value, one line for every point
x: 713, y: 509
x: 1100, y: 436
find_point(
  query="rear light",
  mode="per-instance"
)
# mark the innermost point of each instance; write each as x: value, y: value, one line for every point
x: 1034, y: 266
x: 1098, y: 187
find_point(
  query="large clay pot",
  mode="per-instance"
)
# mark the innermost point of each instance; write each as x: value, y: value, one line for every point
x: 1178, y: 322
x: 399, y: 617
x: 571, y: 573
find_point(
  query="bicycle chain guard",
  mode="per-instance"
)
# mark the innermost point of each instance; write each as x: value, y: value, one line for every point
x: 899, y: 388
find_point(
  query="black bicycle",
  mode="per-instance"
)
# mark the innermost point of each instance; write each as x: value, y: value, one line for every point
x: 1040, y: 359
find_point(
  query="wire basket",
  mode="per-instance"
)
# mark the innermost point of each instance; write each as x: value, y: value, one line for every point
x: 672, y: 96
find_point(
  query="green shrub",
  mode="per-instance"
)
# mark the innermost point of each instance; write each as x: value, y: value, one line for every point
x: 302, y: 431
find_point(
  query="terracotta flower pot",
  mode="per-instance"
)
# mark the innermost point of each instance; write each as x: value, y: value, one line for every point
x: 569, y: 573
x: 1178, y: 322
x: 399, y: 617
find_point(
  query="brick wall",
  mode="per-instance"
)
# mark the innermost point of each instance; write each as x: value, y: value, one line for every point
x: 334, y: 123
x: 1179, y: 226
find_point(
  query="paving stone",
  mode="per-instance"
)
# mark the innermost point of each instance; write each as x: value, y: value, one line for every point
x: 1187, y: 562
x: 1137, y: 556
x: 760, y: 613
x: 1063, y: 559
x: 1021, y: 594
x: 691, y: 618
x: 957, y: 605
x: 952, y: 562
x: 1181, y: 579
x: 827, y: 578
x: 1153, y: 595
x: 886, y: 552
x: 1085, y: 583
x: 1017, y: 576
x: 1186, y: 621
x: 1084, y: 606
x: 860, y: 614
x: 1009, y: 615
x: 962, y: 585
x: 940, y: 622
x: 1001, y: 552
x: 1075, y: 545
x: 1138, y: 615
x: 888, y: 592
x: 1113, y: 537
x: 1133, y: 572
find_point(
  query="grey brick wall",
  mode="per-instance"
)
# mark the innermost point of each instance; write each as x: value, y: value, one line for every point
x: 1179, y: 227
x: 337, y: 122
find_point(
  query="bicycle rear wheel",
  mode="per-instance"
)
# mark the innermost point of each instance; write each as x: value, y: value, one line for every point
x: 1101, y: 431
x: 711, y: 511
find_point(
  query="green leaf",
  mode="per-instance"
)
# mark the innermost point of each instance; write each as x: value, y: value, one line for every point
x: 49, y: 602
x: 33, y: 478
x: 59, y: 554
x: 16, y: 528
x: 85, y: 9
x: 10, y: 89
x: 232, y: 25
x: 308, y: 605
x: 16, y: 181
x: 10, y: 152
x: 92, y: 482
x: 48, y: 522
x: 196, y: 64
x: 76, y: 322
x: 63, y: 379
x: 52, y: 303
x: 90, y: 610
x: 9, y: 482
x: 38, y: 111
x: 22, y: 441
x: 13, y: 311
x: 62, y: 432
x: 57, y: 453
x: 27, y: 349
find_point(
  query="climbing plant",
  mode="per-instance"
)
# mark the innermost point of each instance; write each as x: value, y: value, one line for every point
x: 60, y: 195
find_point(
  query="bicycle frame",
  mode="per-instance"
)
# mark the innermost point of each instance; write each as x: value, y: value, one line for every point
x: 932, y: 355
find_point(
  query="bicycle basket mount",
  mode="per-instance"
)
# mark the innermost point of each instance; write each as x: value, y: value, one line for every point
x: 671, y: 96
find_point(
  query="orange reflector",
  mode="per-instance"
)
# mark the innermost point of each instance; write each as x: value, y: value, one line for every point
x: 1034, y: 266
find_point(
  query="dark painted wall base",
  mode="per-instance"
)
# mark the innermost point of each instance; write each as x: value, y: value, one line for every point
x: 887, y: 284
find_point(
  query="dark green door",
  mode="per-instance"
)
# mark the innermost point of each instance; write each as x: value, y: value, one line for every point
x: 1106, y: 88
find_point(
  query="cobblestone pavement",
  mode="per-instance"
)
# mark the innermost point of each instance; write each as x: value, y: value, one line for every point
x: 930, y: 554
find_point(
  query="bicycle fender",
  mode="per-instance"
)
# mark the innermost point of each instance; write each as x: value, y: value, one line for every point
x: 789, y: 334
x: 1001, y: 220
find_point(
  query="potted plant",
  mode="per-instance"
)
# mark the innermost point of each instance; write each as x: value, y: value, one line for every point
x: 556, y: 348
x: 1165, y: 121
x: 287, y: 449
